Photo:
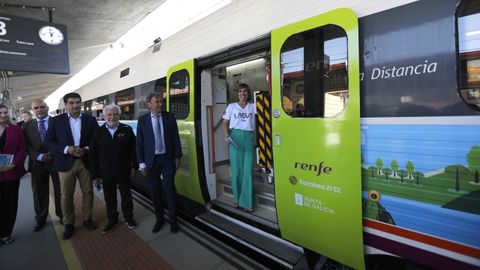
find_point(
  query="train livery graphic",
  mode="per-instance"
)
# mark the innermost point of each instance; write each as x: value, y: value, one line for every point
x: 367, y: 126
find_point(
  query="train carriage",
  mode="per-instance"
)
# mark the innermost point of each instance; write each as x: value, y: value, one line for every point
x: 367, y: 125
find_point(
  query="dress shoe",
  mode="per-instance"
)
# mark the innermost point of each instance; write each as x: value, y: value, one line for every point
x: 7, y: 240
x: 109, y: 227
x: 38, y: 226
x: 69, y: 228
x: 89, y: 224
x: 158, y: 226
x: 131, y: 223
x: 174, y: 228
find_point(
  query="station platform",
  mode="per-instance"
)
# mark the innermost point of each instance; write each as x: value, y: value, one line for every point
x: 122, y: 248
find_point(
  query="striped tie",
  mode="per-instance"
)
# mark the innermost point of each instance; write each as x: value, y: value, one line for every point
x: 42, y: 130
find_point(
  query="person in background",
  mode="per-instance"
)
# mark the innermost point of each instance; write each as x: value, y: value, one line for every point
x: 12, y: 143
x: 40, y: 165
x: 68, y: 137
x: 112, y: 156
x: 27, y: 117
x: 238, y: 128
x: 158, y: 154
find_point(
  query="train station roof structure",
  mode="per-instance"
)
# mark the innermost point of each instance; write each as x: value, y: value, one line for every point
x: 93, y: 28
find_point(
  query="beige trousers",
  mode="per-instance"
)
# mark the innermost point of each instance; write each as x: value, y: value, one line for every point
x: 68, y: 181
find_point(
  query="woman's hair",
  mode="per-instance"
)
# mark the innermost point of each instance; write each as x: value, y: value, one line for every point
x: 10, y: 121
x: 246, y: 87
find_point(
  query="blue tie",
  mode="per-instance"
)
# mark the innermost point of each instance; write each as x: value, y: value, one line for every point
x: 42, y: 130
x: 158, y: 136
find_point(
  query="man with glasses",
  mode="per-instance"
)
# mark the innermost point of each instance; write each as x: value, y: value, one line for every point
x: 40, y: 165
x: 68, y: 137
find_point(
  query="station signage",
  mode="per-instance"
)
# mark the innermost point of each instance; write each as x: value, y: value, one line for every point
x: 30, y: 45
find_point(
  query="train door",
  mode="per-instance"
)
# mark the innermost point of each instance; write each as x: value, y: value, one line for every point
x: 218, y: 90
x: 180, y: 101
x: 316, y: 135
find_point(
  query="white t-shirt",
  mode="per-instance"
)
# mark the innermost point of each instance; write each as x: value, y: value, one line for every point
x: 243, y: 119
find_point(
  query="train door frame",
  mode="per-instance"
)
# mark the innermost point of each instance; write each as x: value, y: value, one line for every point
x: 212, y: 70
x: 187, y: 179
x: 320, y: 188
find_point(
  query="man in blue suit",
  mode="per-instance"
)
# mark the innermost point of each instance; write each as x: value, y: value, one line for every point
x: 158, y: 155
x: 68, y: 136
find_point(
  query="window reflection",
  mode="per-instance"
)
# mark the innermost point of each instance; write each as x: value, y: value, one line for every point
x: 314, y: 73
x: 469, y: 49
x: 179, y: 91
x: 125, y: 99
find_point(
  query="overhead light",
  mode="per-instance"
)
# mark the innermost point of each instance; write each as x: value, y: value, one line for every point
x: 472, y: 33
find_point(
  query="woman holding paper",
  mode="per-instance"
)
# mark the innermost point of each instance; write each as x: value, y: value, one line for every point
x: 238, y: 127
x: 12, y: 150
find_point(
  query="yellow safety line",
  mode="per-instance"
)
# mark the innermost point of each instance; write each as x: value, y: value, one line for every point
x: 65, y: 245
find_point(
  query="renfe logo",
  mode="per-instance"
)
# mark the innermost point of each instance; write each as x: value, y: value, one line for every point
x: 316, y: 168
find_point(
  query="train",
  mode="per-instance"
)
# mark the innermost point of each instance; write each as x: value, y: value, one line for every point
x: 368, y: 115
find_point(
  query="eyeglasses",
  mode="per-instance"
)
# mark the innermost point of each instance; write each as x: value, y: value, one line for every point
x: 39, y: 107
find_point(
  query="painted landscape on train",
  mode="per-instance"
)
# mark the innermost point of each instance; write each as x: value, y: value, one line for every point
x: 424, y: 178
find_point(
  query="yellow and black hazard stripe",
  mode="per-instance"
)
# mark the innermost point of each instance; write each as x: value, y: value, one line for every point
x: 264, y: 130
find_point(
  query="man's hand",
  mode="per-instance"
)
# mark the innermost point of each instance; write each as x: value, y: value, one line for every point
x: 97, y: 182
x: 144, y: 172
x: 80, y: 152
x: 47, y: 157
x: 177, y: 163
x: 72, y: 150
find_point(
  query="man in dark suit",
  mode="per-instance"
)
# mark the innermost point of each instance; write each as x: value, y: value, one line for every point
x: 158, y: 155
x: 40, y: 165
x: 112, y: 155
x: 68, y: 137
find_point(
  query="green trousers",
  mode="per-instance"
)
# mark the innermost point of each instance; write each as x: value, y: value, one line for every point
x: 241, y: 163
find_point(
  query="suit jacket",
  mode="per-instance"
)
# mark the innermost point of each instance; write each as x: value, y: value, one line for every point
x: 14, y: 145
x: 34, y: 144
x: 59, y: 135
x: 112, y: 157
x: 146, y: 138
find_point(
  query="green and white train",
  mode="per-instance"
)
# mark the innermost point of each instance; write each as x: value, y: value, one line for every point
x: 368, y: 125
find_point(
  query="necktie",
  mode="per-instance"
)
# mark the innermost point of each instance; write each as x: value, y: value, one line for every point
x: 42, y: 130
x: 158, y: 137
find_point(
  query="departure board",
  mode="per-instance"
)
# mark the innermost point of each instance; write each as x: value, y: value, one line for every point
x: 32, y: 45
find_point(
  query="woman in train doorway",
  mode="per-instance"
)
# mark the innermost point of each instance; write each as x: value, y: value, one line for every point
x: 238, y: 127
x: 12, y: 148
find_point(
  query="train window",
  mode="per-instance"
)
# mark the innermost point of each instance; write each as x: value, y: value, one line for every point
x: 125, y: 99
x: 314, y: 72
x: 468, y: 23
x: 87, y: 107
x: 179, y: 91
x: 97, y: 107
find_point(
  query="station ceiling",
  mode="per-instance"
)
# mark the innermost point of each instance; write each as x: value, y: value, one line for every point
x: 92, y: 25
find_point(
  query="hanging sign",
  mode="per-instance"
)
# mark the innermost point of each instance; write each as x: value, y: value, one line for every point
x: 33, y: 45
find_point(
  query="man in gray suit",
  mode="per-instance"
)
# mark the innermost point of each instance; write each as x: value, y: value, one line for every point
x: 40, y: 165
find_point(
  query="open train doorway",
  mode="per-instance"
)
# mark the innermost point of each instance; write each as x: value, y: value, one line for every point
x: 218, y: 86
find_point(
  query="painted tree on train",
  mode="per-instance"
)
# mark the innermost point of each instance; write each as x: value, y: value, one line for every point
x: 379, y: 165
x: 418, y: 176
x: 402, y: 174
x: 372, y: 170
x: 394, y: 166
x: 455, y: 172
x: 386, y: 172
x: 410, y: 169
x: 473, y: 160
